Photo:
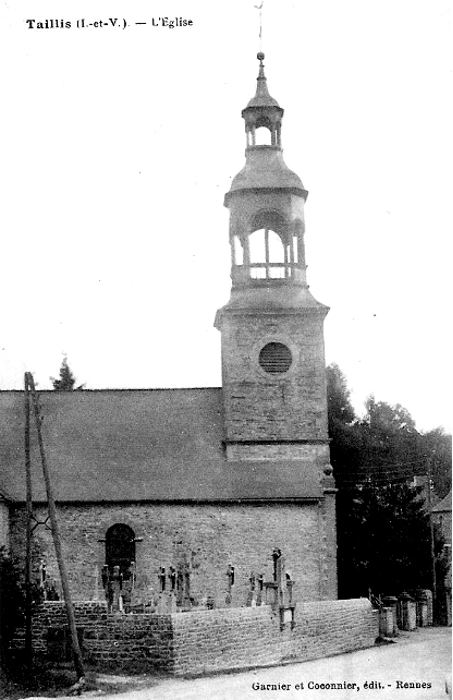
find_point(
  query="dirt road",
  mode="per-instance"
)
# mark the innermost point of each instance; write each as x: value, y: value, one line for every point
x: 414, y: 668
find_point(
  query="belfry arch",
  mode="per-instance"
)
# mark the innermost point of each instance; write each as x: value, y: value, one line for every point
x: 271, y: 248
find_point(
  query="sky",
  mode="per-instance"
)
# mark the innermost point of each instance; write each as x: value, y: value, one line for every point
x: 118, y: 145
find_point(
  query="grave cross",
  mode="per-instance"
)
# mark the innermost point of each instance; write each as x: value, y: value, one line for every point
x: 230, y: 583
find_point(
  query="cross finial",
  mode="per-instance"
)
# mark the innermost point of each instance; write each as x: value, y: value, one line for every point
x: 260, y: 10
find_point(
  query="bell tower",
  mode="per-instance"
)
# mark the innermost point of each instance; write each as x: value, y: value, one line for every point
x: 273, y: 367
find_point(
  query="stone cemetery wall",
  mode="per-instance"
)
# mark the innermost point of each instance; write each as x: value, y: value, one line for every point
x: 130, y: 642
x: 218, y: 640
x: 206, y: 641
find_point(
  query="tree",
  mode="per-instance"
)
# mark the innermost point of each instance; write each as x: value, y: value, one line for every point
x: 342, y: 420
x: 392, y: 447
x: 67, y: 381
x: 338, y: 397
x: 436, y: 446
x: 11, y: 604
x: 382, y: 520
x: 385, y: 540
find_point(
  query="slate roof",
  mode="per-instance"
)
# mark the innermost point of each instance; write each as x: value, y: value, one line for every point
x: 265, y: 169
x: 444, y: 506
x: 138, y: 445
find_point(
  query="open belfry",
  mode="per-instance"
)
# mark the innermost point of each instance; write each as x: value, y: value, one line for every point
x: 203, y: 492
x: 273, y: 368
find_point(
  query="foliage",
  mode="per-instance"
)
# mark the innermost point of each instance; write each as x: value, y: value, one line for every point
x: 384, y: 541
x: 11, y: 602
x: 67, y: 381
x: 437, y: 448
x: 343, y: 434
x: 341, y: 411
x: 383, y: 528
x: 393, y: 445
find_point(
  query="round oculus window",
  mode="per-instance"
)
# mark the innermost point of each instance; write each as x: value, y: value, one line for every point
x: 275, y: 358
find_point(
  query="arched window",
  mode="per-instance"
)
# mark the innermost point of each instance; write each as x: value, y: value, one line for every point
x: 120, y: 549
x: 267, y: 254
x: 266, y: 246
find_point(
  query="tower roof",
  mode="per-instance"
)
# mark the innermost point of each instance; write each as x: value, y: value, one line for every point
x: 266, y: 169
x: 262, y: 97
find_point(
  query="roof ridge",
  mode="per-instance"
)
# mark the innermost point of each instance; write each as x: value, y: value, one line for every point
x: 117, y: 389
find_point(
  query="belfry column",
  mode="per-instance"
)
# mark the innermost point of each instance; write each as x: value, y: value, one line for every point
x: 273, y: 366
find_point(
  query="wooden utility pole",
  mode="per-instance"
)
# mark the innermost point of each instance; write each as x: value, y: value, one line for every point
x: 77, y: 654
x: 29, y: 516
x: 433, y: 553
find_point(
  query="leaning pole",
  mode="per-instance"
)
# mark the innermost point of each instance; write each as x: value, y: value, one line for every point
x: 77, y: 654
x: 28, y: 556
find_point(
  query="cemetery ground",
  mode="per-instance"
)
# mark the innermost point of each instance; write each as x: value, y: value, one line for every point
x: 415, y: 667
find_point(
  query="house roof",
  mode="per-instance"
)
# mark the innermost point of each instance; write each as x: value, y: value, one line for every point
x: 444, y: 506
x: 138, y: 445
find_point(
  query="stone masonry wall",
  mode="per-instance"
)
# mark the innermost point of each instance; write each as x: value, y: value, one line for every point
x: 130, y: 642
x: 328, y: 548
x: 4, y: 524
x: 262, y: 406
x: 210, y: 640
x: 217, y: 640
x: 209, y: 537
x: 315, y: 456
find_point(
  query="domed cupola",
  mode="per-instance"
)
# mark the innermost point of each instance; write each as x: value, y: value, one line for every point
x: 266, y: 202
x: 264, y: 167
x: 262, y: 111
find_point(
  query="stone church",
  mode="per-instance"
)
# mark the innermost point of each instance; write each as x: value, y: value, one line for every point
x: 205, y: 481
